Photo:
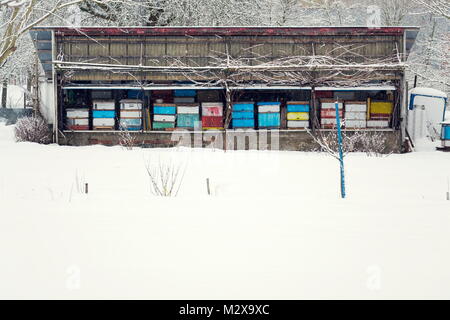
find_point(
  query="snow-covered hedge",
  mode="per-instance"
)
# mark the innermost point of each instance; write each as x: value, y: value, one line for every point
x: 32, y: 129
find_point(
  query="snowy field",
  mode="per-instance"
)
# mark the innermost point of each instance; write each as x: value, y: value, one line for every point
x: 274, y: 227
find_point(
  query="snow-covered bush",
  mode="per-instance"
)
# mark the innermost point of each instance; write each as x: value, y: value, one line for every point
x: 166, y: 177
x: 126, y: 139
x: 327, y: 141
x: 32, y: 129
x: 370, y: 142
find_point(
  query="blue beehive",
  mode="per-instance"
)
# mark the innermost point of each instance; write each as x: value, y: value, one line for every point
x: 298, y: 108
x: 269, y: 114
x: 131, y: 122
x: 243, y: 107
x: 132, y: 128
x: 103, y: 114
x: 268, y: 120
x: 185, y: 93
x: 164, y: 110
x: 187, y: 120
x: 446, y: 132
x: 243, y: 123
x: 135, y: 94
x: 243, y: 115
x: 269, y: 103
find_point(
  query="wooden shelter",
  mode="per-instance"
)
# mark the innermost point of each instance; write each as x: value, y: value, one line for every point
x: 233, y: 64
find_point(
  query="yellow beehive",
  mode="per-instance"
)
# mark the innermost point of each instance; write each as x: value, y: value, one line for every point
x: 298, y: 116
x: 381, y: 107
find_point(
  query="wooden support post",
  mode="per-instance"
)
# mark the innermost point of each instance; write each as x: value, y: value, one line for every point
x: 55, y: 90
x: 27, y: 93
x: 313, y: 112
x: 207, y: 187
x: 36, y: 100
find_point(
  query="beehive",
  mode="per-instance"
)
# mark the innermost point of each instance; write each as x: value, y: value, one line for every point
x: 164, y: 116
x: 243, y: 115
x: 355, y: 114
x: 212, y: 115
x: 103, y: 114
x: 131, y: 114
x: 188, y: 116
x: 269, y: 115
x: 328, y: 113
x: 380, y: 114
x: 297, y: 114
x: 77, y: 119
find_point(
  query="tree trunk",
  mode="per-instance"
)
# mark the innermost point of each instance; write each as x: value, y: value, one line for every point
x: 4, y: 93
x: 27, y: 93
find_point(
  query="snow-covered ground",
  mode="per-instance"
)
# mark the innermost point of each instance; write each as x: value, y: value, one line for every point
x: 274, y: 227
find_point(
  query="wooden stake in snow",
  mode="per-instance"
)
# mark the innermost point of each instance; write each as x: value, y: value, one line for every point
x: 86, y: 188
x: 448, y: 189
x: 207, y: 187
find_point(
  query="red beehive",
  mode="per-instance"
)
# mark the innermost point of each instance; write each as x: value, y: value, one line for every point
x: 324, y: 94
x: 380, y: 116
x: 212, y: 122
x: 330, y: 113
x: 77, y: 127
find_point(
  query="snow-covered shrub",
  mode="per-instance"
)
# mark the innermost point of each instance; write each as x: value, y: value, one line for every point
x: 327, y: 141
x: 32, y: 129
x: 370, y: 142
x: 166, y: 177
x: 126, y: 139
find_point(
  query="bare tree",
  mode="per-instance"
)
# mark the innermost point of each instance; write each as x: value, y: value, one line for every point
x: 429, y: 60
x: 329, y: 12
x: 19, y: 16
x: 394, y: 12
x: 437, y: 7
x: 178, y: 12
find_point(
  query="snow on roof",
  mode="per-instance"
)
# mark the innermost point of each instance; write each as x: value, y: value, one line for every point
x: 428, y: 92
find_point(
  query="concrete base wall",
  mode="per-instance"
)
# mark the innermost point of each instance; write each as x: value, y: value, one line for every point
x: 290, y: 140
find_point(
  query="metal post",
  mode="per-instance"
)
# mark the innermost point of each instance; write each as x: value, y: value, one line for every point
x: 341, y: 154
